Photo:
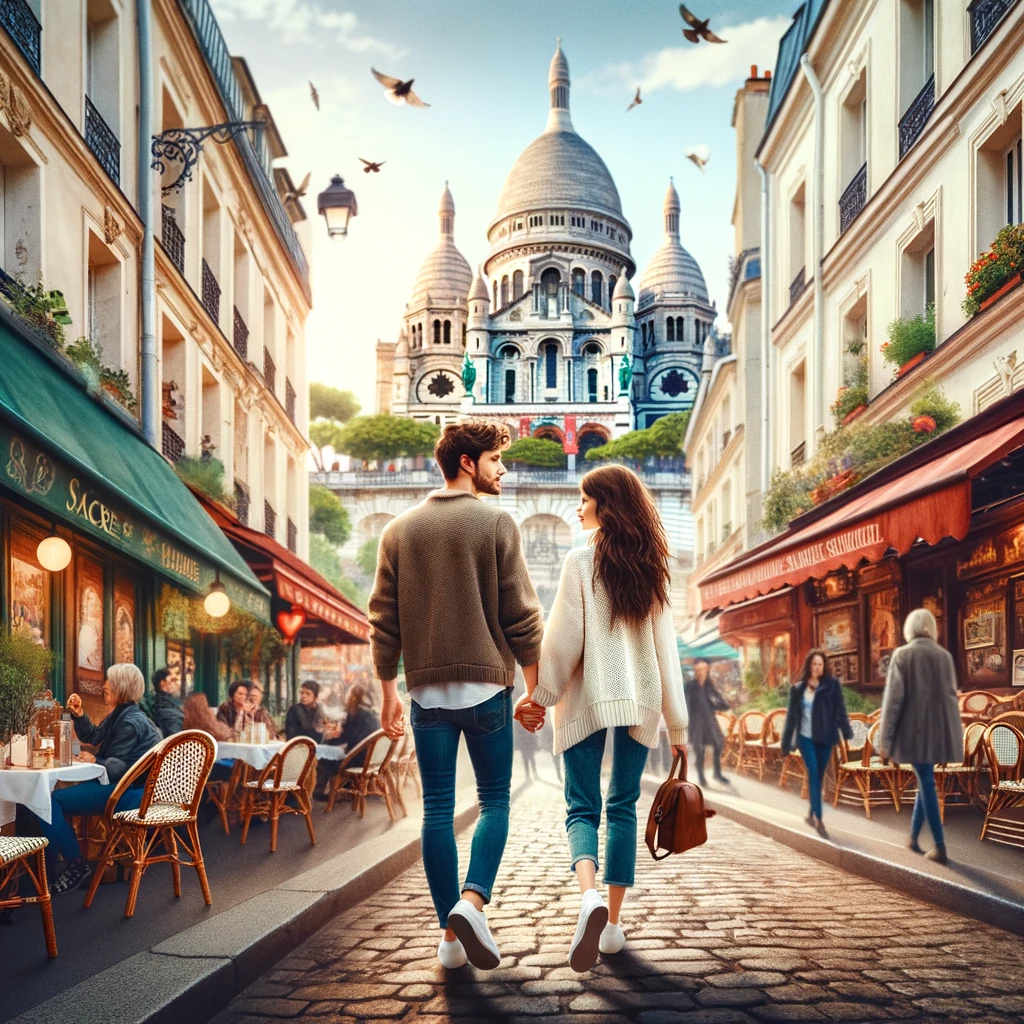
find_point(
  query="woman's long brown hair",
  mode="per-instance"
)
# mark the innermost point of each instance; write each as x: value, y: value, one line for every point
x: 805, y: 672
x: 630, y: 549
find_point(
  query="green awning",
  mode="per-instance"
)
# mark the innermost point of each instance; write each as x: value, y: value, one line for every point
x: 710, y: 650
x: 62, y: 450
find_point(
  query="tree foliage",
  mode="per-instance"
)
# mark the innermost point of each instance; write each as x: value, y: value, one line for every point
x: 329, y: 403
x: 366, y: 559
x: 24, y: 667
x: 328, y: 516
x: 206, y: 475
x: 323, y: 557
x: 325, y: 432
x: 387, y: 437
x: 665, y: 437
x: 535, y: 451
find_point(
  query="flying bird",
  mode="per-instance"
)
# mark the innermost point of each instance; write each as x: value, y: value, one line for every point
x: 700, y: 155
x: 698, y: 29
x: 372, y: 165
x: 636, y: 101
x: 298, y: 193
x: 315, y: 95
x: 397, y: 91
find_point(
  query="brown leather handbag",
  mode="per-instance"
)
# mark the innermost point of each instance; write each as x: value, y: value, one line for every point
x: 678, y: 818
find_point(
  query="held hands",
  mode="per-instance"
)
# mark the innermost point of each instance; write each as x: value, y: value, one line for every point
x: 528, y: 714
x: 392, y: 717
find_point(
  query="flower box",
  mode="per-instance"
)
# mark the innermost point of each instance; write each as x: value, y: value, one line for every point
x: 911, y: 363
x: 853, y: 414
x: 1000, y: 292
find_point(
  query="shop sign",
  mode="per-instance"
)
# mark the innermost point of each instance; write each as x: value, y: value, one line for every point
x: 322, y: 609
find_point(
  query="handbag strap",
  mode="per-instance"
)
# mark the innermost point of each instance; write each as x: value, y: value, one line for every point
x: 679, y: 764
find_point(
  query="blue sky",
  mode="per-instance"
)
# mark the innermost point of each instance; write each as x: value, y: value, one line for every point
x: 482, y: 65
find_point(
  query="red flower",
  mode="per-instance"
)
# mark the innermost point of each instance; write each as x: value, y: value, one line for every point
x: 923, y: 424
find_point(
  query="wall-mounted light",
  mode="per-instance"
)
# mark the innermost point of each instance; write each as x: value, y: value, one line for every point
x: 54, y: 553
x: 217, y: 603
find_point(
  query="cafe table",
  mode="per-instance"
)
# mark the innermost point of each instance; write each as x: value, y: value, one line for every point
x: 32, y: 787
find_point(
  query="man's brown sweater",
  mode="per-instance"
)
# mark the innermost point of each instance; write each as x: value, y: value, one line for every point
x: 452, y: 595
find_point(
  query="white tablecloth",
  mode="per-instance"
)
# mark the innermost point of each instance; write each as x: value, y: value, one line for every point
x: 259, y: 754
x: 331, y: 752
x: 32, y: 787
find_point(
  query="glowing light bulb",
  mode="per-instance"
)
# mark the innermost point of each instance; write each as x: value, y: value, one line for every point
x: 217, y: 603
x: 54, y: 553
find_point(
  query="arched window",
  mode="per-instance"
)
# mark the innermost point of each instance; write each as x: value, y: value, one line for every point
x: 592, y: 349
x: 670, y: 329
x: 611, y: 290
x: 437, y: 332
x: 591, y: 385
x: 550, y: 281
x: 579, y: 281
x: 504, y: 290
x: 447, y: 332
x: 551, y: 366
x: 494, y: 288
x: 510, y: 386
x: 509, y: 352
x: 517, y: 285
x: 596, y: 280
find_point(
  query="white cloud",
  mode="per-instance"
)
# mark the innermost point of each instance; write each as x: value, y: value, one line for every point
x: 688, y: 67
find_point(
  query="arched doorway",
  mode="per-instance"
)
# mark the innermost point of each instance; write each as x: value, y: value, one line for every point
x: 546, y: 541
x: 590, y: 437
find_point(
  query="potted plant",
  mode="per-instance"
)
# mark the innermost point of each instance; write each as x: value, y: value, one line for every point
x: 87, y: 357
x: 910, y: 340
x: 24, y: 666
x: 852, y: 397
x: 995, y: 272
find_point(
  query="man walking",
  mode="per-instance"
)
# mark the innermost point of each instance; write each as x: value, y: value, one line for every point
x: 453, y: 598
x: 702, y: 701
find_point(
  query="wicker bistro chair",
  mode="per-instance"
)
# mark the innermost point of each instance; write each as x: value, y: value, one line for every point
x: 178, y: 768
x: 16, y: 856
x: 976, y: 704
x: 958, y: 783
x: 865, y: 771
x: 749, y: 747
x: 289, y: 773
x: 1004, y: 747
x: 771, y: 739
x: 372, y: 778
x: 406, y: 767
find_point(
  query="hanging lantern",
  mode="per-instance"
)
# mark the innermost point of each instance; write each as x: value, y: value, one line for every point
x: 289, y: 623
x: 217, y: 603
x: 54, y: 553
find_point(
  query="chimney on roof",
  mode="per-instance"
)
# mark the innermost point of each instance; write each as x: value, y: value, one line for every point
x: 753, y: 71
x: 767, y: 73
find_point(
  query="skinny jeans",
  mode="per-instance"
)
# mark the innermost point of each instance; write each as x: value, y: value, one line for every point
x: 926, y: 805
x: 816, y: 757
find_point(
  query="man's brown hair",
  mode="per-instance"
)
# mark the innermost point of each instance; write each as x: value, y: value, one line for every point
x: 473, y: 439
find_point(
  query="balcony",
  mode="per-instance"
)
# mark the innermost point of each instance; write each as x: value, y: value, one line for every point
x: 913, y: 121
x: 289, y: 399
x: 103, y: 142
x: 985, y: 16
x: 852, y: 201
x: 242, y: 503
x: 172, y: 239
x: 211, y: 293
x: 269, y: 519
x: 23, y: 27
x: 172, y: 444
x: 798, y: 455
x: 240, y: 335
x: 293, y: 536
x: 269, y: 372
x: 797, y: 285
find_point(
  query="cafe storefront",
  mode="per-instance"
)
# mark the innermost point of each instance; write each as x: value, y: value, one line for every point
x: 942, y: 528
x: 93, y: 524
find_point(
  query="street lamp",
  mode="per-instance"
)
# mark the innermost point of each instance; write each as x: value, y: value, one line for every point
x: 217, y: 601
x: 337, y: 203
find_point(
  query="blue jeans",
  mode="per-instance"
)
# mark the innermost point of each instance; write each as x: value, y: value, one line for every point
x: 583, y: 802
x: 816, y: 757
x: 926, y: 805
x: 488, y: 732
x: 85, y: 798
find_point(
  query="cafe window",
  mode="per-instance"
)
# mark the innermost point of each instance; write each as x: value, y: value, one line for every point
x: 927, y: 590
x: 884, y: 631
x: 181, y: 665
x: 984, y: 633
x: 29, y: 588
x: 89, y: 627
x: 124, y: 619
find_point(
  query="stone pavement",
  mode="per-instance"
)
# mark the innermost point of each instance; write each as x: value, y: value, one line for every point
x: 741, y: 930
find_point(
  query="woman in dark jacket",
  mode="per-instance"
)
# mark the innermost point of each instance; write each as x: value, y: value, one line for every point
x: 307, y: 717
x: 815, y: 718
x: 120, y: 740
x: 702, y: 701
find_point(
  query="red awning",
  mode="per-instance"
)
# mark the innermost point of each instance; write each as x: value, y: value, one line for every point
x: 929, y: 502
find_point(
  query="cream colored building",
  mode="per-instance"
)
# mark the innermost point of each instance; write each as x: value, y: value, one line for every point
x: 232, y: 281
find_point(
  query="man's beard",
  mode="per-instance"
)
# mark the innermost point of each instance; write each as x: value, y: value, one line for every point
x: 482, y: 486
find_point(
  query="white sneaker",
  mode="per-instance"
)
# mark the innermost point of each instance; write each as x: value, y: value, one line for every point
x: 612, y: 939
x: 593, y: 918
x: 470, y: 925
x: 451, y: 954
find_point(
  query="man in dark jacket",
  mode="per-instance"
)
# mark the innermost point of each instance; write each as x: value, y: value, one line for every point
x: 307, y: 717
x: 168, y: 709
x: 702, y: 701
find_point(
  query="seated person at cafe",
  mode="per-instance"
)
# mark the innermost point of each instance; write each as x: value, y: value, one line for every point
x: 306, y: 718
x: 360, y: 721
x: 234, y: 711
x: 257, y: 712
x: 168, y: 710
x: 124, y: 736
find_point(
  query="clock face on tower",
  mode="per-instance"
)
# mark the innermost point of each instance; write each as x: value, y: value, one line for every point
x: 676, y: 384
x: 438, y: 386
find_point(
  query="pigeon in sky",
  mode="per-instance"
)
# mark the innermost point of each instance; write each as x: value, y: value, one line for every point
x: 700, y: 155
x: 698, y: 29
x: 298, y: 193
x: 397, y: 91
x: 372, y: 165
x: 636, y: 101
x: 315, y: 95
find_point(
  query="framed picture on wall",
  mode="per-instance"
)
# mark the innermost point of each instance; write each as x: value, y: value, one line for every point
x: 984, y: 634
x: 837, y: 667
x: 1018, y: 669
x: 89, y: 627
x: 837, y: 630
x: 884, y: 629
x: 29, y: 589
x: 124, y: 619
x: 853, y: 668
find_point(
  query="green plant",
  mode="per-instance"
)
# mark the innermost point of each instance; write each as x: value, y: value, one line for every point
x: 909, y: 336
x: 207, y: 476
x: 535, y: 451
x: 328, y: 516
x: 860, y: 703
x: 323, y: 557
x: 854, y: 392
x: 377, y: 438
x: 789, y: 495
x: 992, y: 269
x: 24, y: 667
x: 932, y: 402
x: 664, y: 437
x: 366, y: 559
x: 330, y: 403
x: 87, y: 356
x: 45, y: 310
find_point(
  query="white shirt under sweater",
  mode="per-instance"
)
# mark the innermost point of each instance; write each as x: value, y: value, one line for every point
x: 597, y: 676
x: 454, y: 696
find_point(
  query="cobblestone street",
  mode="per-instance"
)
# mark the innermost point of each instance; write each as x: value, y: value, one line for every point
x: 742, y: 930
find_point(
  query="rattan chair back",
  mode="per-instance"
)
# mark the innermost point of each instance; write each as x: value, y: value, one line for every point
x: 1014, y: 718
x: 726, y: 722
x: 750, y: 726
x: 977, y: 702
x: 382, y: 753
x: 180, y: 769
x: 771, y: 731
x: 1004, y: 751
x: 860, y: 726
x: 366, y: 745
x: 972, y: 741
x: 291, y: 765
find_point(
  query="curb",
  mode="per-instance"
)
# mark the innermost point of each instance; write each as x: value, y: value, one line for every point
x: 961, y: 899
x: 196, y: 973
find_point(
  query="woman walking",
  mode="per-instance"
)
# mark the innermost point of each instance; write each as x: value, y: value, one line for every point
x: 609, y: 662
x: 921, y: 720
x: 815, y: 718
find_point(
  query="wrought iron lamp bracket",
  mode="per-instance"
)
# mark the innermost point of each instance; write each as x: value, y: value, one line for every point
x: 183, y: 146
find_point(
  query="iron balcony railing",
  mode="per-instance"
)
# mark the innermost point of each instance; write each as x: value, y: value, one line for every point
x: 211, y: 293
x: 852, y: 201
x: 797, y: 285
x: 985, y: 15
x: 23, y: 27
x: 172, y: 444
x: 172, y: 238
x: 240, y: 335
x: 289, y: 399
x: 269, y: 519
x: 242, y: 503
x: 103, y: 142
x: 913, y: 121
x: 293, y: 536
x: 269, y: 372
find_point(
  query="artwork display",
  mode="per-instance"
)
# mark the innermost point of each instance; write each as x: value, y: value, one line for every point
x: 984, y: 633
x: 884, y: 626
x: 29, y: 596
x: 837, y: 630
x: 89, y: 627
x: 1017, y: 678
x: 181, y: 665
x: 124, y: 620
x: 837, y: 667
x: 852, y: 668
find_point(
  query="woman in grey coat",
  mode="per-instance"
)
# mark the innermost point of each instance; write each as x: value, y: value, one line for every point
x: 921, y: 720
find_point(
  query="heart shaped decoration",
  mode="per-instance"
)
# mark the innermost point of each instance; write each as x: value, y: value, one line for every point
x: 291, y: 622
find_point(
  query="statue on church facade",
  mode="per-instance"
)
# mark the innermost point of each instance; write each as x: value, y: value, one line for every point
x: 468, y: 375
x: 625, y: 375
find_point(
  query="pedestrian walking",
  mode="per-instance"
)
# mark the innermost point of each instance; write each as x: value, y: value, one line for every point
x: 920, y: 723
x: 453, y: 598
x: 814, y: 719
x: 702, y: 701
x: 609, y: 664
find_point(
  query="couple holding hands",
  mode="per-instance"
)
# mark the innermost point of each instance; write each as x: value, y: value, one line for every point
x: 453, y: 599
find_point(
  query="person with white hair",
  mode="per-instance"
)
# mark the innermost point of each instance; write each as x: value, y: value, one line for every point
x: 920, y: 723
x: 124, y: 735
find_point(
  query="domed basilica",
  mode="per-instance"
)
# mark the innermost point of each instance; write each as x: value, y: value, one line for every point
x: 549, y: 334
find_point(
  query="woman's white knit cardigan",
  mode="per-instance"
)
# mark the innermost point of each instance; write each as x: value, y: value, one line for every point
x: 597, y: 676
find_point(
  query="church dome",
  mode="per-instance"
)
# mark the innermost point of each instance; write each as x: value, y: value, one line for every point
x: 445, y: 274
x: 672, y: 270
